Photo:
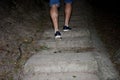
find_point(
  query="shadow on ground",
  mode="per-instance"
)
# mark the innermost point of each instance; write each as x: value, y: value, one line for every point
x: 107, y: 22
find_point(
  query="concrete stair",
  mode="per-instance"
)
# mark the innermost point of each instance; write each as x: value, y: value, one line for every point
x: 77, y: 38
x: 67, y: 43
x: 62, y: 60
x: 48, y: 61
x: 73, y: 19
x: 48, y: 65
x: 76, y: 32
x: 62, y: 76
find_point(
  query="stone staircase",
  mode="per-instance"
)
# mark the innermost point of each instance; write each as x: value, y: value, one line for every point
x: 72, y: 58
x: 74, y: 39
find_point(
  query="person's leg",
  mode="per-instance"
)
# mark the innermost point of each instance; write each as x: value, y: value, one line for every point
x: 54, y: 4
x: 54, y: 16
x: 68, y: 10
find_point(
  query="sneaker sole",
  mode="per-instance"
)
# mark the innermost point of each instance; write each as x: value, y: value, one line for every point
x: 66, y: 30
x: 58, y: 37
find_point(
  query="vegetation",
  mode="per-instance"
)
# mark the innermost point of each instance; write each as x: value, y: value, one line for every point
x: 21, y: 24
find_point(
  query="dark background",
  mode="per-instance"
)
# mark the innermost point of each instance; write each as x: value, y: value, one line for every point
x: 107, y: 24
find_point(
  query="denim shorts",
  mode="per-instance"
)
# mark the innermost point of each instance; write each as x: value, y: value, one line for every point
x: 52, y: 2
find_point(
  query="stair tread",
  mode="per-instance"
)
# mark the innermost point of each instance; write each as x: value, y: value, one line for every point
x: 63, y: 76
x: 48, y: 61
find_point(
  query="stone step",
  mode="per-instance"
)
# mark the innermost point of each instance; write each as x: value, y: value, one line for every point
x: 62, y: 76
x: 75, y: 32
x: 75, y: 12
x: 74, y: 23
x: 48, y: 61
x: 66, y: 43
x: 73, y: 18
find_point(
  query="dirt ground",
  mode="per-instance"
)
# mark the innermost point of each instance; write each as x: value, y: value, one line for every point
x: 18, y: 33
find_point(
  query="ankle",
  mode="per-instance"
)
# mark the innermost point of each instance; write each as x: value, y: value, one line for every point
x: 56, y: 30
x: 66, y: 25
